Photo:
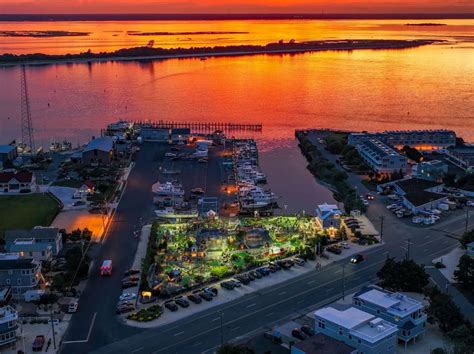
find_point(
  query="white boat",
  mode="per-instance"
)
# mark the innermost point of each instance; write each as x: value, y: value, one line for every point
x: 167, y: 189
x: 164, y: 212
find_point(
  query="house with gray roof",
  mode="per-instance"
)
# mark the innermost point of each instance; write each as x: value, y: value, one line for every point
x: 328, y: 216
x: 99, y: 151
x: 21, y: 274
x: 35, y: 240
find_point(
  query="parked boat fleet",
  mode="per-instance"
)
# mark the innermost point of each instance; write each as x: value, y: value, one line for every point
x: 249, y: 178
x: 169, y: 196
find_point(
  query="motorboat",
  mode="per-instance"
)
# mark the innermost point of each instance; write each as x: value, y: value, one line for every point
x: 167, y: 189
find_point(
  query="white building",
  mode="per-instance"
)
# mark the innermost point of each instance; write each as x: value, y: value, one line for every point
x: 365, y: 332
x: 380, y: 157
x: 17, y: 182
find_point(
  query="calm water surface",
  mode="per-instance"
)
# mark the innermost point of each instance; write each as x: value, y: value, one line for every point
x: 427, y: 87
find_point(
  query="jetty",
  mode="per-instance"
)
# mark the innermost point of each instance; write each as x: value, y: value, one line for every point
x: 198, y: 126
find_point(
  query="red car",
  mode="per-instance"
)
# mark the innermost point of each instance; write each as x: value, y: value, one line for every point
x: 38, y: 344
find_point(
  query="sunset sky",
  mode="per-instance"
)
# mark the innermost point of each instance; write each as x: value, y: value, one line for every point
x: 236, y: 6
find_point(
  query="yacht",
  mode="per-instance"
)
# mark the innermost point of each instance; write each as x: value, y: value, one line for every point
x: 167, y: 189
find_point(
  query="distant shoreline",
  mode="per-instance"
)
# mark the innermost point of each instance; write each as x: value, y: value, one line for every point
x: 148, y: 53
x: 222, y: 17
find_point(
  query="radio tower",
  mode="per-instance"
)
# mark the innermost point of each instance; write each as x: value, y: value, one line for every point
x: 27, y: 135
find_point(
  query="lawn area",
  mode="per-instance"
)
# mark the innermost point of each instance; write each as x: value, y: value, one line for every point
x: 26, y: 211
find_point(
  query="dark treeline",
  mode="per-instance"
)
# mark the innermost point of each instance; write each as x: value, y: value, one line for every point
x: 280, y: 48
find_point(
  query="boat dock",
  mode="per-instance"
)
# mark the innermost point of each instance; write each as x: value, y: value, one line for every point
x: 199, y: 126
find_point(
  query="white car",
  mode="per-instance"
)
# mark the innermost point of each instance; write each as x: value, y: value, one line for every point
x: 128, y: 297
x: 170, y: 154
x: 392, y: 206
x: 73, y: 307
x: 470, y: 203
x: 345, y: 245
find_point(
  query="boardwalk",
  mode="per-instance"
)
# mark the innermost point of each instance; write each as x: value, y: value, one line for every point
x: 200, y: 126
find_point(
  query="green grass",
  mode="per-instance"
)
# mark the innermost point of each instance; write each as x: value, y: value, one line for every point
x: 26, y: 211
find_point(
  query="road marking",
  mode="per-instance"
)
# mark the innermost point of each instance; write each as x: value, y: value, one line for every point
x: 282, y: 293
x: 269, y: 314
x: 312, y: 281
x: 251, y: 305
x: 197, y: 344
x: 300, y: 302
x: 329, y: 290
x: 385, y: 253
x: 338, y: 271
x: 216, y: 319
x: 234, y: 329
x: 88, y: 334
x: 427, y: 236
x: 137, y: 350
x: 426, y: 250
x: 356, y: 278
x: 178, y: 334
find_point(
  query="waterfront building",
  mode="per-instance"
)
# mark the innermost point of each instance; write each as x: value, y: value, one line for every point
x: 430, y: 170
x: 406, y: 313
x: 424, y: 140
x: 40, y: 236
x: 99, y: 151
x: 8, y: 153
x: 420, y: 195
x: 159, y: 135
x: 328, y: 216
x: 17, y: 182
x: 462, y: 157
x: 359, y: 329
x: 21, y: 274
x: 180, y: 135
x: 380, y: 157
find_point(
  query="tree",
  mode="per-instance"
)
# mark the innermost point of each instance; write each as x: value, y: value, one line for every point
x: 464, y: 275
x: 403, y: 276
x: 444, y: 310
x: 467, y: 238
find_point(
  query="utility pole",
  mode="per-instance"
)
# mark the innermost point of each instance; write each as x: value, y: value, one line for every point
x: 381, y: 227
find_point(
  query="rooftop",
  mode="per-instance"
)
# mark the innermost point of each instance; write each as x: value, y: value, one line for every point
x: 325, y: 210
x: 416, y: 184
x: 12, y: 261
x: 5, y: 149
x: 22, y: 176
x: 105, y: 143
x: 395, y: 303
x: 379, y: 148
x: 321, y: 343
x: 420, y: 198
x: 349, y: 318
x: 38, y: 233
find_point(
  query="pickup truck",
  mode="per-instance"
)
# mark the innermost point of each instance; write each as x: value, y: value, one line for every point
x: 38, y: 343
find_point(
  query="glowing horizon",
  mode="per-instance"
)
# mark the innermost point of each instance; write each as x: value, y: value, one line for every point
x: 233, y: 6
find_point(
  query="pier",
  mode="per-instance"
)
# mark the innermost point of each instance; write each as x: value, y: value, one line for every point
x: 200, y: 126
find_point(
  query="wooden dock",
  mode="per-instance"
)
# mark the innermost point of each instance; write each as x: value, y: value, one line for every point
x: 200, y: 126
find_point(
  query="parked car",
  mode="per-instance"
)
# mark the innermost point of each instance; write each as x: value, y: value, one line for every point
x: 236, y: 283
x: 132, y: 278
x: 345, y: 245
x: 370, y: 196
x: 334, y: 250
x: 131, y: 272
x: 72, y: 308
x: 263, y: 271
x: 256, y: 274
x: 299, y: 261
x: 470, y: 203
x: 197, y: 191
x: 170, y: 305
x: 357, y: 259
x: 181, y: 301
x: 194, y: 298
x: 307, y: 330
x: 129, y: 284
x: 272, y: 264
x: 297, y: 333
x: 211, y: 291
x: 124, y: 309
x: 205, y: 296
x: 227, y: 285
x: 128, y: 297
x: 243, y: 279
x: 38, y: 343
x: 250, y: 276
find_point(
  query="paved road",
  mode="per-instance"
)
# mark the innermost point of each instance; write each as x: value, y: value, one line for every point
x: 95, y: 323
x: 202, y: 332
